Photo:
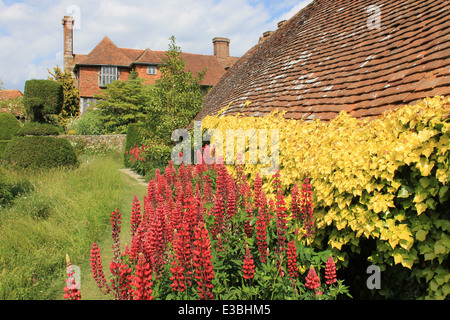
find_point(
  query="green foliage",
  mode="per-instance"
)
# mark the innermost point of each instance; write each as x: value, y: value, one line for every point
x: 9, y: 125
x: 123, y: 103
x: 89, y: 123
x: 151, y: 155
x: 10, y: 188
x: 134, y: 138
x: 177, y: 97
x: 43, y: 98
x: 59, y: 216
x: 14, y: 106
x: 3, y: 145
x: 40, y: 152
x: 38, y: 129
x: 71, y: 103
x: 381, y: 190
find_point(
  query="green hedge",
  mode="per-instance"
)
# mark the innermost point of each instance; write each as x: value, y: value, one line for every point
x: 38, y: 129
x: 134, y: 136
x: 43, y: 97
x: 3, y: 145
x: 40, y: 152
x: 9, y: 125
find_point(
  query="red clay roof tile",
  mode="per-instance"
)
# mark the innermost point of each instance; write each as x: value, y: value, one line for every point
x: 107, y: 53
x: 326, y: 59
x: 10, y: 94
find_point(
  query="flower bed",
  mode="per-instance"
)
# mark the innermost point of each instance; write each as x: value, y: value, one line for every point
x: 200, y: 233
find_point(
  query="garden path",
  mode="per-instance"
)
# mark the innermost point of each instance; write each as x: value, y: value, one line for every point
x: 135, y: 176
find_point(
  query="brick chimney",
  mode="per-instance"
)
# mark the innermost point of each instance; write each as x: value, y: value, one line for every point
x: 68, y: 23
x: 221, y: 47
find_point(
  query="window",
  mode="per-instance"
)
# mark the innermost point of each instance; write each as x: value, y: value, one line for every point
x: 107, y: 75
x: 151, y: 69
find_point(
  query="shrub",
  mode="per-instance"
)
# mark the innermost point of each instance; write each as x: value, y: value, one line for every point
x: 148, y: 157
x: 40, y: 152
x: 3, y: 145
x: 134, y: 138
x: 381, y: 189
x: 38, y: 129
x: 90, y: 123
x: 9, y: 125
x: 43, y: 98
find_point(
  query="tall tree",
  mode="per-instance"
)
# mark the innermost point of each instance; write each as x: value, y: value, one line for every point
x: 71, y: 103
x: 177, y: 96
x: 123, y: 102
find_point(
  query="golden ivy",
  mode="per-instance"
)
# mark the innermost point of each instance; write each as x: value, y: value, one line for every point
x: 374, y: 179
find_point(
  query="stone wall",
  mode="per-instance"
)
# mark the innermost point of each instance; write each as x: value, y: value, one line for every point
x: 115, y: 141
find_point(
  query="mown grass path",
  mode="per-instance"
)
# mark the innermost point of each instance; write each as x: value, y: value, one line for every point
x: 65, y: 213
x: 89, y: 289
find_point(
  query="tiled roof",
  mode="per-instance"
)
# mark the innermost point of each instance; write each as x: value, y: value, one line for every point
x: 107, y: 53
x: 148, y: 57
x: 330, y: 57
x: 10, y: 94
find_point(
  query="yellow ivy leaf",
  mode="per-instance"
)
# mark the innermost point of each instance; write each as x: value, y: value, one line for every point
x: 421, y: 207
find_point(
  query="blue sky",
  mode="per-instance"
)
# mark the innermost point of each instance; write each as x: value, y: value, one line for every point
x: 31, y: 35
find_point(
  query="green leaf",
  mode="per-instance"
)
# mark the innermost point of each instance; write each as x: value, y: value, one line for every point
x: 439, y: 248
x: 421, y: 235
x: 425, y: 182
x: 404, y: 192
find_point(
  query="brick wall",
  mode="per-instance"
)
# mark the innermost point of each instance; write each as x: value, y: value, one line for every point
x: 149, y: 78
x: 88, y: 80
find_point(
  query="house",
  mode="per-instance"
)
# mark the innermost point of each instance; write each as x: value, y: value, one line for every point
x: 10, y: 94
x: 108, y: 62
x: 10, y: 102
x: 359, y: 56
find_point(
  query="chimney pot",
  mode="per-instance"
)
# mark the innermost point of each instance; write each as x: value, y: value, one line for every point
x: 221, y: 47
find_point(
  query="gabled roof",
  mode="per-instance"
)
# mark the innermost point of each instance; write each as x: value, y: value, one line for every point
x: 107, y: 53
x: 10, y: 94
x: 147, y: 57
x: 331, y: 57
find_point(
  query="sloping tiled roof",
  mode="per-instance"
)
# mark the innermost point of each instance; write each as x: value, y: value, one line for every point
x: 10, y: 94
x: 148, y: 57
x: 331, y: 57
x: 107, y: 53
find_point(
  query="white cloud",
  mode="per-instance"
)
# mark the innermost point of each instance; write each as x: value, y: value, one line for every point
x: 31, y: 32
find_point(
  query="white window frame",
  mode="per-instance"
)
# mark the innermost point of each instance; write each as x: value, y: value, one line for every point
x: 152, y: 69
x: 107, y: 74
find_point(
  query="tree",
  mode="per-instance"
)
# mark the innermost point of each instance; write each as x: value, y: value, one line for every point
x: 123, y: 102
x: 177, y: 96
x: 71, y: 102
x: 1, y: 84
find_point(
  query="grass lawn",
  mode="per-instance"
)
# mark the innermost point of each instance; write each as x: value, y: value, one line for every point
x: 89, y: 289
x: 67, y: 211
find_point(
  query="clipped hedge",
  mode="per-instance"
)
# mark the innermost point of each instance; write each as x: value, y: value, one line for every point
x: 134, y: 137
x: 43, y: 97
x: 40, y: 152
x: 38, y: 129
x: 3, y: 145
x: 9, y: 125
x: 381, y: 189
